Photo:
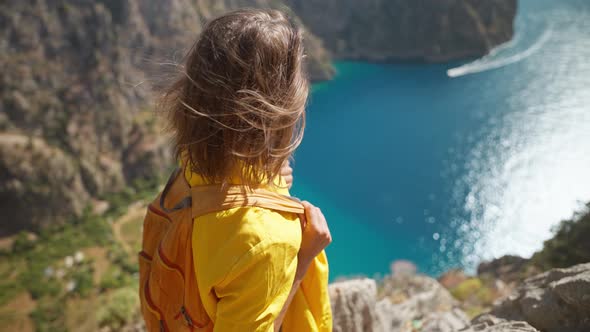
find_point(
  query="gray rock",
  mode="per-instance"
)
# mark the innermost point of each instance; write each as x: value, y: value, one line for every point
x: 418, y: 302
x: 406, y: 303
x: 488, y: 323
x: 353, y: 305
x: 555, y: 301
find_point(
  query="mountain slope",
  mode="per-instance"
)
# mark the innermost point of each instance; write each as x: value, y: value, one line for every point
x: 76, y: 95
x: 425, y: 30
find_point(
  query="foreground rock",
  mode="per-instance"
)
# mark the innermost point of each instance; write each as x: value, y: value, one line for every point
x: 418, y: 302
x: 353, y: 305
x: 405, y: 303
x: 489, y: 323
x: 555, y: 301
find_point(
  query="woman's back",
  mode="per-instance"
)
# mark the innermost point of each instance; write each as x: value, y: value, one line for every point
x: 248, y: 257
x: 236, y: 115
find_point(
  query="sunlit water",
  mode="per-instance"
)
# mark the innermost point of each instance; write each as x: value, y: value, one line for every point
x: 450, y: 164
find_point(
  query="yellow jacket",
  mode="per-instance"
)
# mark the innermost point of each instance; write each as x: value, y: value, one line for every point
x: 245, y: 261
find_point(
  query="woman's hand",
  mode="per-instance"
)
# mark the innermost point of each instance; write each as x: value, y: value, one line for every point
x: 287, y: 174
x: 315, y: 236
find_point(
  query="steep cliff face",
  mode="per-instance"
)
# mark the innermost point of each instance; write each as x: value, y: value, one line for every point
x: 75, y: 97
x: 67, y: 82
x: 426, y: 30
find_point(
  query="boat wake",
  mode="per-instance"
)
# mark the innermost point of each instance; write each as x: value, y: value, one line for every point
x: 488, y: 63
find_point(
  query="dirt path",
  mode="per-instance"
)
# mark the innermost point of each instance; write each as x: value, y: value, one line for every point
x: 136, y: 211
x: 14, y: 316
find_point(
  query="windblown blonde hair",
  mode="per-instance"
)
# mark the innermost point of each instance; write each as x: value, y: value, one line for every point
x: 240, y: 101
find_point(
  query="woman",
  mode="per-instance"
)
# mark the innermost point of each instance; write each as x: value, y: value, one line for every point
x: 237, y: 115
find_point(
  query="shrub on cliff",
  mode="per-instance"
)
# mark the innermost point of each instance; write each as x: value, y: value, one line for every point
x: 48, y: 315
x: 121, y: 307
x: 569, y: 246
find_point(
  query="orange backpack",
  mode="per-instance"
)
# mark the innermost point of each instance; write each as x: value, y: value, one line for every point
x: 170, y: 298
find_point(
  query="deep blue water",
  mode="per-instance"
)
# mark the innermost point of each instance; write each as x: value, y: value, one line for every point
x: 408, y: 162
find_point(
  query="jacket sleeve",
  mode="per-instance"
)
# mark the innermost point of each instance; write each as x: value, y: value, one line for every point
x: 310, y: 309
x: 254, y: 291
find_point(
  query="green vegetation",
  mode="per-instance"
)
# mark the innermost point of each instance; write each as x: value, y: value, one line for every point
x: 475, y: 294
x: 120, y: 308
x: 122, y: 259
x: 82, y: 278
x: 22, y: 243
x: 467, y: 288
x: 51, y: 266
x: 51, y: 246
x: 8, y: 290
x: 142, y: 189
x: 48, y: 315
x: 569, y: 246
x: 129, y: 231
x: 114, y: 278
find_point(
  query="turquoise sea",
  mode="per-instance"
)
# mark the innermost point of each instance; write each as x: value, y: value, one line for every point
x: 449, y: 164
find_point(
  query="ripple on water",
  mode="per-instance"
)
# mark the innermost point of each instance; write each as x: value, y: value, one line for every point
x: 532, y: 168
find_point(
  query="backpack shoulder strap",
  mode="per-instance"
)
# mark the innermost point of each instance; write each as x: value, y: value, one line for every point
x: 179, y: 188
x: 212, y: 198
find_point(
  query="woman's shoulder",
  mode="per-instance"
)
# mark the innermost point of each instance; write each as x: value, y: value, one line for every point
x: 244, y: 228
x: 241, y: 234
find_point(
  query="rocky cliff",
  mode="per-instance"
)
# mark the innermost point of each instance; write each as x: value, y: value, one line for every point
x: 553, y: 301
x: 75, y: 97
x: 425, y: 30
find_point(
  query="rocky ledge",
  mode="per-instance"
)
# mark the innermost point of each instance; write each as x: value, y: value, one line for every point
x: 555, y: 301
